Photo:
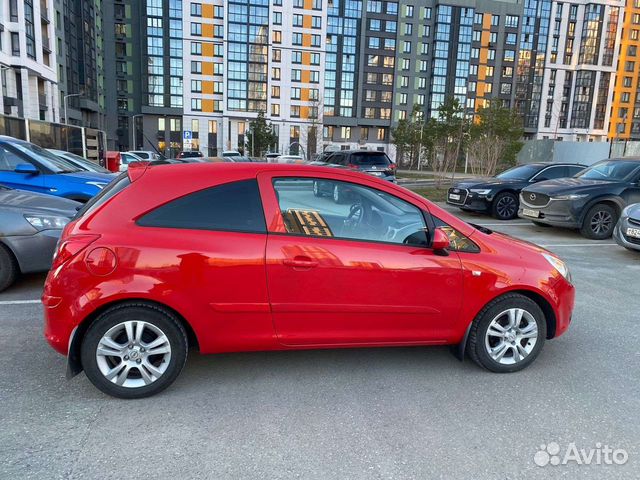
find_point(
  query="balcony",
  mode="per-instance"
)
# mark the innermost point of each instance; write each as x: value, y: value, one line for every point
x: 44, y: 12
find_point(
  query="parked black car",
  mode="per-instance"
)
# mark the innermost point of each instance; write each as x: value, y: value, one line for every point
x: 372, y: 162
x: 592, y: 201
x: 627, y: 231
x: 499, y: 195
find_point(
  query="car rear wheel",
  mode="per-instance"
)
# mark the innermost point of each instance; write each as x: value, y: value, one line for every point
x: 599, y: 222
x: 134, y: 351
x: 8, y: 268
x: 508, y: 334
x: 338, y: 196
x: 316, y: 189
x: 505, y: 206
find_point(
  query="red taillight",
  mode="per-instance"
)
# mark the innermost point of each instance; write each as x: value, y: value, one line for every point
x: 72, y: 246
x: 352, y: 166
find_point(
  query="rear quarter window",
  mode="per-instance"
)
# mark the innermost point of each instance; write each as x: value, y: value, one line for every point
x: 369, y: 159
x: 234, y: 207
x: 116, y: 186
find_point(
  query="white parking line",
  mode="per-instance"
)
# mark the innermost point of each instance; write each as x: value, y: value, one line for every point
x: 19, y: 302
x: 580, y: 245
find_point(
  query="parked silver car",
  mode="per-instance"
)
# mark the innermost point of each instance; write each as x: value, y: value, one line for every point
x: 30, y: 225
x: 627, y: 231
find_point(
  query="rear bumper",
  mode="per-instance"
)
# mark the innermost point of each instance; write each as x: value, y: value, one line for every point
x: 34, y: 252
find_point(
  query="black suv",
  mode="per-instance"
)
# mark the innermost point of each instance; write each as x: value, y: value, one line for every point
x: 591, y: 201
x: 499, y: 195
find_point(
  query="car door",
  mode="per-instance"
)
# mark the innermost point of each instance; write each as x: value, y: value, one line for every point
x: 332, y: 283
x: 9, y: 160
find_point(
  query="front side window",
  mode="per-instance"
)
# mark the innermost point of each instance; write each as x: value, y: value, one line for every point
x: 9, y: 160
x: 327, y: 208
x: 234, y: 207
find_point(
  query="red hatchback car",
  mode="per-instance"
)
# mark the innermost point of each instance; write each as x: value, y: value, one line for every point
x: 244, y: 257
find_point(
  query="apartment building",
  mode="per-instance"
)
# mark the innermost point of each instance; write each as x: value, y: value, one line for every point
x: 80, y: 58
x: 625, y: 111
x: 28, y: 77
x: 572, y: 60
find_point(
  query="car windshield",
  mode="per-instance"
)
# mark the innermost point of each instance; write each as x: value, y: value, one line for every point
x: 84, y: 163
x: 521, y: 172
x: 370, y: 159
x: 611, y: 170
x: 47, y: 159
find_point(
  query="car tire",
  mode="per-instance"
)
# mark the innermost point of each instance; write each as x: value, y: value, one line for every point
x: 500, y: 338
x: 540, y: 224
x: 338, y: 196
x: 111, y: 345
x: 599, y: 222
x: 8, y: 268
x: 505, y: 206
x: 316, y: 189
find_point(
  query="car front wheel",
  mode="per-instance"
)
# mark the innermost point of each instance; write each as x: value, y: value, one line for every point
x: 508, y: 334
x: 599, y: 222
x: 505, y: 206
x: 8, y: 268
x: 134, y: 351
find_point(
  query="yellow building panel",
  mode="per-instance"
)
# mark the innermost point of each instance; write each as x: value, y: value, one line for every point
x: 306, y: 75
x: 207, y: 30
x: 306, y: 39
x: 207, y: 49
x: 207, y: 10
x: 207, y: 87
x: 308, y: 4
x: 304, y: 94
x: 207, y: 68
x: 486, y: 21
x: 207, y: 105
x: 306, y: 58
x: 304, y: 112
x: 306, y: 21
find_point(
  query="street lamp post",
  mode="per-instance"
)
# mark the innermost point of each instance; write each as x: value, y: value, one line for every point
x: 133, y: 130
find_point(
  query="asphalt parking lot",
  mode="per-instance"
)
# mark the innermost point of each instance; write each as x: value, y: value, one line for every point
x: 370, y: 413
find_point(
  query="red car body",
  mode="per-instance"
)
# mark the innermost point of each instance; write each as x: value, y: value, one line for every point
x: 254, y: 291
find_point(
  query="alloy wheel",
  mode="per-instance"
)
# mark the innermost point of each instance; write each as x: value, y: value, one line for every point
x: 133, y: 354
x: 511, y: 336
x: 601, y: 222
x: 506, y: 207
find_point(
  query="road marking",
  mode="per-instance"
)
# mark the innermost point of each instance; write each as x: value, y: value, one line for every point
x: 19, y: 302
x: 581, y: 245
x: 503, y: 224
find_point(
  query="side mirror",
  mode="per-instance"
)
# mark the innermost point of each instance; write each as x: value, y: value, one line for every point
x: 26, y: 169
x: 440, y: 242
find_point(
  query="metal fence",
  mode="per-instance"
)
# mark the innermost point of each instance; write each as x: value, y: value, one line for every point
x: 86, y: 142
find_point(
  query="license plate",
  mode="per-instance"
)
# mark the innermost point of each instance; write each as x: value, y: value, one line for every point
x: 454, y: 196
x: 633, y: 232
x: 377, y: 174
x: 530, y: 213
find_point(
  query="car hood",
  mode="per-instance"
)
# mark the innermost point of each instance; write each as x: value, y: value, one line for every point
x: 85, y: 177
x: 634, y: 211
x: 568, y: 185
x: 29, y: 202
x: 487, y: 182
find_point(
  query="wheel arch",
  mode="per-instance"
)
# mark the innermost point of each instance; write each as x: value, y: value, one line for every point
x: 8, y: 248
x: 610, y: 200
x: 539, y: 299
x: 74, y: 363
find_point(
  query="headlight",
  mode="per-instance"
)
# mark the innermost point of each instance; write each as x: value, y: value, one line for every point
x: 480, y: 191
x: 100, y: 185
x: 559, y: 265
x: 625, y: 212
x: 46, y: 222
x: 572, y: 196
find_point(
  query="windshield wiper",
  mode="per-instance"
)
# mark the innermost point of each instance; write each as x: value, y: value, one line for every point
x: 68, y: 171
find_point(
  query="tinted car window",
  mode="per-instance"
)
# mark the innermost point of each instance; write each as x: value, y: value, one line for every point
x: 48, y: 159
x: 232, y: 207
x: 574, y: 170
x: 553, y: 172
x: 364, y: 214
x: 116, y: 186
x: 613, y: 170
x: 369, y: 159
x: 522, y: 172
x: 9, y: 160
